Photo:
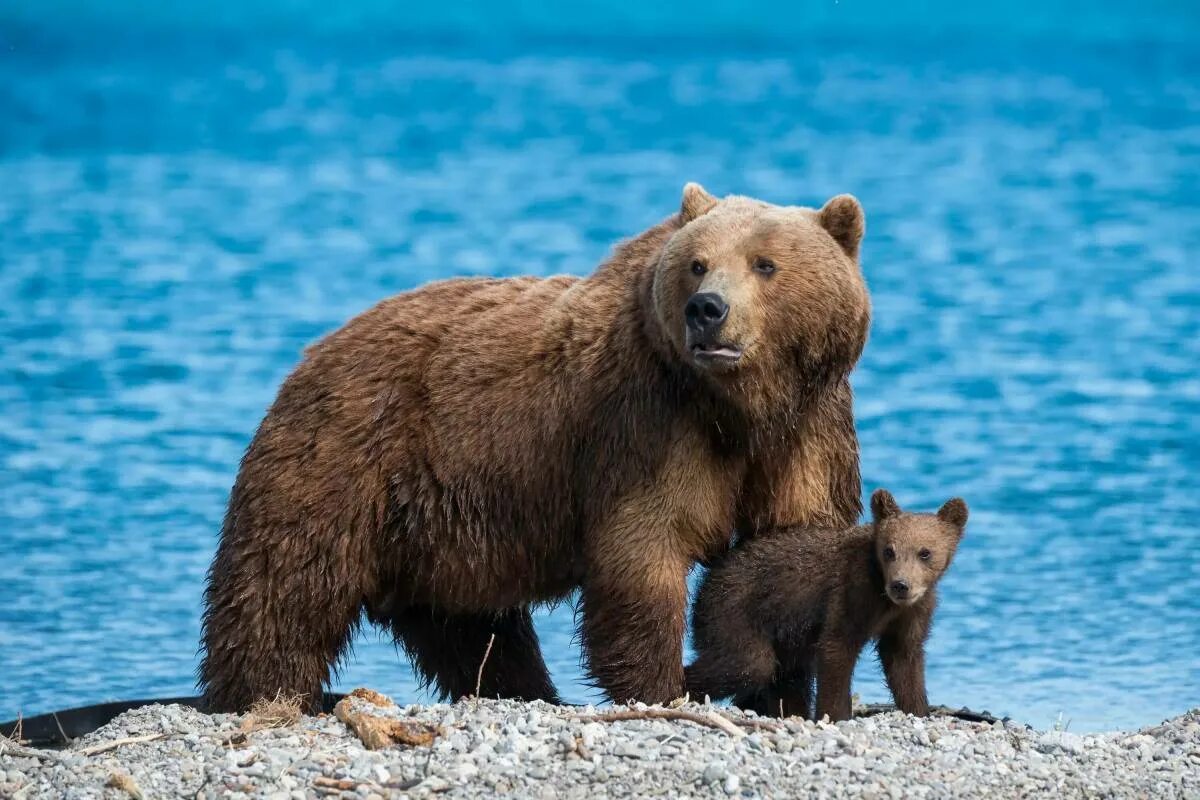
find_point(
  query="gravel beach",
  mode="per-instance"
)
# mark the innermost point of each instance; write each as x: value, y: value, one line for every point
x: 484, y: 748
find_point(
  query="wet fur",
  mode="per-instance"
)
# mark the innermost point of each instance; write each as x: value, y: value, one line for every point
x: 796, y: 608
x: 463, y: 451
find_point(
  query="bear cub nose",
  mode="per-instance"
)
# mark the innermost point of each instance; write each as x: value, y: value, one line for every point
x: 899, y: 589
x: 705, y: 311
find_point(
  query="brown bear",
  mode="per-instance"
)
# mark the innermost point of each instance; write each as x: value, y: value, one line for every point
x: 465, y: 450
x: 798, y: 604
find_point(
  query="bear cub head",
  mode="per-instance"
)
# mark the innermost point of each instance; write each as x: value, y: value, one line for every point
x: 914, y: 550
x: 747, y: 289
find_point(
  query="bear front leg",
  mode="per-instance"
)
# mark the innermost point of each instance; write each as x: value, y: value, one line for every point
x: 902, y: 653
x: 836, y: 657
x: 634, y: 610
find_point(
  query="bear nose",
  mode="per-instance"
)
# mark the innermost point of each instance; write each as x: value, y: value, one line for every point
x: 899, y: 588
x: 705, y: 311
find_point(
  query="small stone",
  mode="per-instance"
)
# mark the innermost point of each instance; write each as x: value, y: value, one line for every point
x: 592, y: 733
x: 435, y: 783
x: 713, y: 773
x: 732, y: 784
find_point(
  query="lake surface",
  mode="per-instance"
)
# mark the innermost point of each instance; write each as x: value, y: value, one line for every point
x: 180, y: 214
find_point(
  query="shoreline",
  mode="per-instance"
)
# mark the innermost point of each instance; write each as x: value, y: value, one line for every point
x: 482, y: 748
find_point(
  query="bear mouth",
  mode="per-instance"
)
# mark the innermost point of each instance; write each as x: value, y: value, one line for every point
x: 716, y: 353
x: 908, y: 600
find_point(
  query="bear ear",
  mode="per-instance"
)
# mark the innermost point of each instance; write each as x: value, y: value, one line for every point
x: 696, y: 202
x: 843, y: 218
x: 883, y: 505
x: 954, y: 512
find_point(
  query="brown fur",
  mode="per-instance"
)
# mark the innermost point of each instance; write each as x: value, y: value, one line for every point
x: 465, y: 450
x: 782, y: 610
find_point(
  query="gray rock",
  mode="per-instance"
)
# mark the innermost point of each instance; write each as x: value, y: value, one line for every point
x: 497, y: 747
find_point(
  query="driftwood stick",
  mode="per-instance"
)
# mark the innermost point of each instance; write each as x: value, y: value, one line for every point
x: 12, y: 748
x: 708, y: 720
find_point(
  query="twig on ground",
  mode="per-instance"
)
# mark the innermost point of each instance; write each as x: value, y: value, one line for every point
x: 757, y: 724
x: 708, y: 720
x: 66, y: 739
x: 482, y: 664
x: 18, y: 730
x: 115, y: 743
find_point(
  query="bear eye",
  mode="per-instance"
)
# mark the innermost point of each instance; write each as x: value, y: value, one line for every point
x: 764, y: 265
x: 698, y: 267
x: 889, y: 553
x: 924, y: 554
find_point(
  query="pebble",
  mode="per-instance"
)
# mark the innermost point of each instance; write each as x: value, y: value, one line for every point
x: 490, y: 748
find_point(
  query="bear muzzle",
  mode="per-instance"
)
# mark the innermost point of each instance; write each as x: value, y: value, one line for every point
x: 704, y: 315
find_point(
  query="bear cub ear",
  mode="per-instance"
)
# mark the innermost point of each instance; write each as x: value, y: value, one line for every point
x: 696, y: 202
x: 954, y: 512
x: 883, y: 505
x: 843, y: 218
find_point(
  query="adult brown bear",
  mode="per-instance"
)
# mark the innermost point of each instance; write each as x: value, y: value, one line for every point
x: 465, y: 450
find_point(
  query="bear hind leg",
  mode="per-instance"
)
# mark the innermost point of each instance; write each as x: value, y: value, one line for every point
x: 744, y: 672
x: 448, y: 650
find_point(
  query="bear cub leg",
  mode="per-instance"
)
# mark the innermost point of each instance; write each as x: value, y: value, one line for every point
x: 836, y: 657
x: 902, y: 654
x: 732, y: 672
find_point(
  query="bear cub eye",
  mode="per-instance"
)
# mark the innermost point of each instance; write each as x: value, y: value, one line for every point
x: 924, y: 554
x: 764, y: 265
x: 698, y: 267
x: 889, y: 553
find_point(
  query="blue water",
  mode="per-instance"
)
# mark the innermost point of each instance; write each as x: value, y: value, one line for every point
x: 184, y: 206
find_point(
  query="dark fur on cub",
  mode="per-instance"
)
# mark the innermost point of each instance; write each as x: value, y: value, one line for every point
x: 801, y: 604
x: 465, y: 450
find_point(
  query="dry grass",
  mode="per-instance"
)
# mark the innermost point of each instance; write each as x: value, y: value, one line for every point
x: 15, y: 738
x: 280, y: 712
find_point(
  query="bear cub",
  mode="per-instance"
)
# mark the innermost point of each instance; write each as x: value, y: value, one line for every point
x: 782, y: 610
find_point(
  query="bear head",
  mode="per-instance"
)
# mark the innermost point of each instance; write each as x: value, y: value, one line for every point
x: 765, y: 298
x: 914, y: 550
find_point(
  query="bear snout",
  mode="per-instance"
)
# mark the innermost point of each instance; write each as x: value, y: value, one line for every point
x: 903, y: 592
x: 705, y: 312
